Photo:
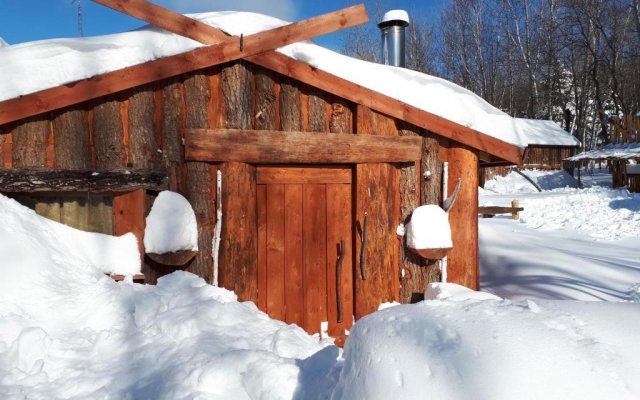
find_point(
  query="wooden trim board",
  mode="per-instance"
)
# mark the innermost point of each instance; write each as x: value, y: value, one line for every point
x: 276, y: 147
x: 303, y: 175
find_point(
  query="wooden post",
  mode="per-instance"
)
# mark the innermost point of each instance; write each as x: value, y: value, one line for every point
x: 239, y: 246
x: 197, y: 92
x: 377, y: 193
x: 462, y: 262
x: 515, y: 214
x: 128, y: 216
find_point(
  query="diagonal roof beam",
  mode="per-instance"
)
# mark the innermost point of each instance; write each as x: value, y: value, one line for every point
x: 227, y: 48
x: 203, y: 33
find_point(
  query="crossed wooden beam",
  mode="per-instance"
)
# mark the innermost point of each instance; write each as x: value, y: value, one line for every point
x: 257, y: 49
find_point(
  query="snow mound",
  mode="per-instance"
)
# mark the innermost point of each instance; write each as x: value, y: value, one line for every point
x: 27, y: 239
x: 602, y: 213
x: 429, y: 228
x: 3, y: 43
x: 513, y: 182
x: 35, y: 66
x: 171, y: 225
x: 69, y: 331
x: 494, y: 350
x: 455, y: 292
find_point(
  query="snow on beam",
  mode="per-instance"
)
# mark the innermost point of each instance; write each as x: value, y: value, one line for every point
x: 223, y: 49
x: 58, y: 180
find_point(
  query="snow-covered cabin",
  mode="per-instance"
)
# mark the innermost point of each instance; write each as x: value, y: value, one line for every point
x: 547, y: 145
x: 622, y: 153
x: 308, y: 142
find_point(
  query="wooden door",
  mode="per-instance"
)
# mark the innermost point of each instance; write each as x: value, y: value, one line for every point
x: 304, y: 215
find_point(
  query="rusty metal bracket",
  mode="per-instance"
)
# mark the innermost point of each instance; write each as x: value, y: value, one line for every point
x: 339, y: 280
x: 363, y: 248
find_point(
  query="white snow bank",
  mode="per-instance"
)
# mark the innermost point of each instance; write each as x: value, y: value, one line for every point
x: 69, y: 331
x: 494, y: 350
x: 544, y: 132
x: 429, y: 228
x: 454, y: 292
x: 601, y: 213
x: 29, y: 240
x: 3, y: 43
x: 35, y: 66
x: 171, y: 225
x: 518, y: 262
x: 513, y: 182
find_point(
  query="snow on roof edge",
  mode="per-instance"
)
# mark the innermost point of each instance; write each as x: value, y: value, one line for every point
x: 56, y: 62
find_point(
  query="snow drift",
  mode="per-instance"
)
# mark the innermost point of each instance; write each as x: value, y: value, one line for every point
x: 69, y: 331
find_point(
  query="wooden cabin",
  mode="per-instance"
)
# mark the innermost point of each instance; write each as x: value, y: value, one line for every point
x: 621, y: 154
x: 304, y: 155
x: 548, y: 145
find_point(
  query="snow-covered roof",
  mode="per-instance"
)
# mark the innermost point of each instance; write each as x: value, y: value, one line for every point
x: 618, y: 150
x: 2, y: 42
x: 544, y: 132
x: 35, y: 66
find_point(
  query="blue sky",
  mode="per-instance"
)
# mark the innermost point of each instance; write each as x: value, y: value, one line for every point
x: 29, y: 20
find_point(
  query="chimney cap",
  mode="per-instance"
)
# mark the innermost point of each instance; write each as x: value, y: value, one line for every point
x: 394, y: 17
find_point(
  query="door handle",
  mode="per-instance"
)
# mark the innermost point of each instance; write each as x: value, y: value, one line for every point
x: 338, y: 280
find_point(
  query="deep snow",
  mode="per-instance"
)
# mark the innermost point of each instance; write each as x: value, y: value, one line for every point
x: 580, y: 244
x: 69, y: 331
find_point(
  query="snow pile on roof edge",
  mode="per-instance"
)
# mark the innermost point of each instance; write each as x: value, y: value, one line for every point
x: 51, y: 63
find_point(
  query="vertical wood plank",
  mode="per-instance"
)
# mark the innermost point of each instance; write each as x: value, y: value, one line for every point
x: 290, y: 107
x: 128, y: 216
x: 238, y: 248
x: 30, y: 141
x: 294, y: 286
x: 3, y: 138
x: 197, y: 95
x: 377, y: 194
x: 462, y: 265
x: 100, y: 214
x: 314, y: 239
x: 142, y: 139
x: 265, y: 101
x: 341, y: 117
x: 317, y: 111
x: 262, y: 246
x: 71, y: 139
x: 172, y: 114
x: 339, y: 223
x: 74, y: 212
x: 108, y: 136
x: 412, y: 272
x: 48, y: 207
x: 275, y: 251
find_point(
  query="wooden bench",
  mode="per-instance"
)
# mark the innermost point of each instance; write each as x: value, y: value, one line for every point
x: 491, y: 211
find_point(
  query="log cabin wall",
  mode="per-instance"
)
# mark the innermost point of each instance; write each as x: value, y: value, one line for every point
x: 540, y: 157
x: 143, y: 128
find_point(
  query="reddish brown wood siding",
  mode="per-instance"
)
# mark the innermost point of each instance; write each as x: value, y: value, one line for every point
x: 143, y: 128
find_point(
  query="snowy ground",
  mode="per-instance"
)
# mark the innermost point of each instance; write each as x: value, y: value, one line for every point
x: 581, y: 244
x: 67, y: 331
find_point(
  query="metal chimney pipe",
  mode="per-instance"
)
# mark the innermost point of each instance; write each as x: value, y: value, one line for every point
x: 392, y: 29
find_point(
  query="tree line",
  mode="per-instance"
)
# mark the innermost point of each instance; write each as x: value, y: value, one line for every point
x: 536, y: 59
